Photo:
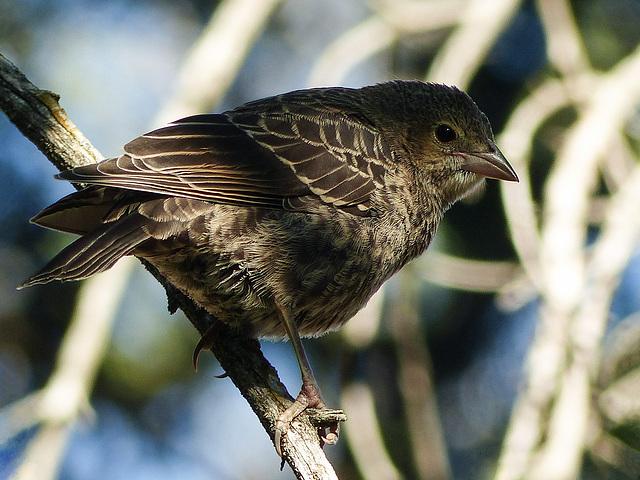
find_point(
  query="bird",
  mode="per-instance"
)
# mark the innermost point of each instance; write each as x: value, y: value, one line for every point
x: 283, y: 216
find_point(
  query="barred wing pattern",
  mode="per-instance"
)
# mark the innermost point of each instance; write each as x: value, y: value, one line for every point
x: 300, y: 155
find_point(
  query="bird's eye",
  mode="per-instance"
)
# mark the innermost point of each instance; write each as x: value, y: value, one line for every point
x: 445, y: 133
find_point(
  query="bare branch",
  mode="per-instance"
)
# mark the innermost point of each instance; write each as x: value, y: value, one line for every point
x: 42, y: 120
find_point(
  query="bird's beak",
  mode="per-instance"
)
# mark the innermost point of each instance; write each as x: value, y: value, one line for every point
x: 490, y: 164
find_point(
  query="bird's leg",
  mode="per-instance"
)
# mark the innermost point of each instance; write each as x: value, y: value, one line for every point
x: 309, y: 396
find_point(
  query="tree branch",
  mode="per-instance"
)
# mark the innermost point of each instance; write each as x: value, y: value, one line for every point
x: 40, y: 118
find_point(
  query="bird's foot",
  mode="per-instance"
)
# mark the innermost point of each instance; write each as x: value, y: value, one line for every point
x: 309, y: 398
x: 207, y: 341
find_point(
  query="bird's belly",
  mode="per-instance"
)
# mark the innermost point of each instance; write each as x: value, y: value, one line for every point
x: 324, y: 273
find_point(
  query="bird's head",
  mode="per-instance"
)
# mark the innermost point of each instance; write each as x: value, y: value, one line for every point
x: 444, y: 137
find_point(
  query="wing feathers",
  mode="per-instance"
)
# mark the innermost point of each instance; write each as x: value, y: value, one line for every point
x: 253, y: 157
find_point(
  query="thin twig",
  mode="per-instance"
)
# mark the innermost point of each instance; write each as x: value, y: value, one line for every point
x: 349, y: 49
x: 391, y: 21
x: 466, y: 274
x: 516, y: 142
x: 418, y: 16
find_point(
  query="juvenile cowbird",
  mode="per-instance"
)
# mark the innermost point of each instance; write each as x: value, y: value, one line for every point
x: 283, y: 216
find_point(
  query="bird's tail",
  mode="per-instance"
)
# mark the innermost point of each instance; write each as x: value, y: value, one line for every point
x: 92, y: 213
x: 93, y: 253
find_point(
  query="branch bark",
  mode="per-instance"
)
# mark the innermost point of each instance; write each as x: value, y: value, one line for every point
x: 40, y: 118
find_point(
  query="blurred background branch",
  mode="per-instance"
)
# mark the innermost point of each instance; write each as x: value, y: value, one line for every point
x: 479, y: 25
x: 215, y: 59
x: 65, y: 397
x: 563, y: 358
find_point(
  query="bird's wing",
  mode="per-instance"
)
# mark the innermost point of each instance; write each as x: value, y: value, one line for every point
x: 287, y: 160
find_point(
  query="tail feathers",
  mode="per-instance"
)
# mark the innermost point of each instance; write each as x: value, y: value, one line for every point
x: 79, y: 212
x: 93, y: 253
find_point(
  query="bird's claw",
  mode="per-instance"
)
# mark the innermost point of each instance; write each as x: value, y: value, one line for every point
x: 309, y: 398
x: 206, y: 342
x: 331, y: 438
x: 284, y: 420
x: 280, y: 431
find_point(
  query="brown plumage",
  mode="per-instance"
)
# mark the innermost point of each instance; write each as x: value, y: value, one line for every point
x: 283, y: 216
